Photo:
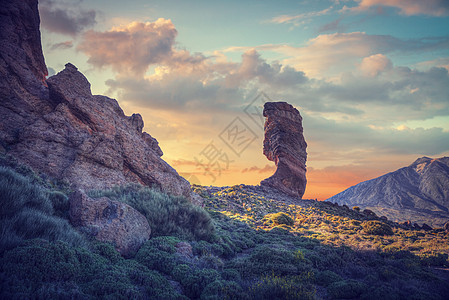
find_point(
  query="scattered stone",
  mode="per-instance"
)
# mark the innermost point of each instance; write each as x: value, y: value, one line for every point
x: 426, y: 227
x: 285, y: 145
x: 416, y: 226
x: 407, y: 224
x: 110, y: 221
x: 369, y: 213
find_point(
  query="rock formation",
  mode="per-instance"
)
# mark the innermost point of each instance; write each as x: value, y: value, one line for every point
x: 59, y: 128
x: 110, y: 221
x: 285, y: 145
x: 419, y: 192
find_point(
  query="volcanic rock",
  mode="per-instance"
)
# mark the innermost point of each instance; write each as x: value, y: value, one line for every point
x: 285, y: 145
x: 426, y: 227
x: 110, y: 221
x: 59, y: 128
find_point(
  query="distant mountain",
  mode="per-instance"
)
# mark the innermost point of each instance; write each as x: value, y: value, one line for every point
x: 419, y: 192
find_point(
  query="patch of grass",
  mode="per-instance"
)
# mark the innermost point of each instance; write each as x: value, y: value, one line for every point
x: 28, y: 210
x: 346, y: 289
x: 291, y: 287
x: 57, y: 270
x: 377, y: 228
x: 166, y: 214
x: 279, y: 218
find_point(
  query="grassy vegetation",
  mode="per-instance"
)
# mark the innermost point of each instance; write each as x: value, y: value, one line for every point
x: 247, y: 245
x: 166, y: 214
x: 29, y: 210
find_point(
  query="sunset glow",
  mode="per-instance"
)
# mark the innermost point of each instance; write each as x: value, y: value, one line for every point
x: 369, y: 77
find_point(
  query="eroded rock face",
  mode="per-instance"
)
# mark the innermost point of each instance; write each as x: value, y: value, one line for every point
x: 285, y: 145
x: 110, y: 221
x: 59, y: 128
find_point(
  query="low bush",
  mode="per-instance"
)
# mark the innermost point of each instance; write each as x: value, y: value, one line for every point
x: 57, y: 270
x: 194, y: 280
x: 266, y: 261
x: 326, y: 277
x: 27, y: 211
x: 346, y: 289
x: 159, y: 254
x: 279, y: 218
x: 377, y: 228
x: 166, y: 214
x: 291, y: 287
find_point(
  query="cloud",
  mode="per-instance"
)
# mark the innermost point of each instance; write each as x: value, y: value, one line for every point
x: 62, y: 45
x: 375, y: 64
x: 327, y: 54
x: 266, y: 169
x: 65, y: 17
x: 253, y: 66
x: 133, y: 48
x: 332, y: 26
x: 347, y: 136
x: 437, y: 8
x: 300, y: 19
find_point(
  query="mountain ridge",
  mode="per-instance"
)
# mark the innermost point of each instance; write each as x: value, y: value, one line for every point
x: 421, y: 187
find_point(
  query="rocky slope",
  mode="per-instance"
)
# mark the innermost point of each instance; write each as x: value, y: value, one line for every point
x: 285, y: 145
x: 419, y: 192
x: 59, y: 128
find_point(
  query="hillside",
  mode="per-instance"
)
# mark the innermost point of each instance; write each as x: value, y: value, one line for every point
x: 419, y: 192
x: 249, y: 242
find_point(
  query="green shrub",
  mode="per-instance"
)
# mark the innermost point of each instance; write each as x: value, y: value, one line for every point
x: 18, y: 192
x: 346, y: 289
x: 60, y: 203
x: 280, y: 218
x: 275, y: 287
x: 26, y: 212
x: 194, y: 280
x: 377, y: 228
x: 326, y: 277
x: 222, y: 289
x: 57, y: 270
x: 158, y: 254
x: 266, y: 260
x: 166, y: 214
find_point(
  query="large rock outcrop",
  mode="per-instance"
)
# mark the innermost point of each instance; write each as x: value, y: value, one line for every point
x: 285, y: 145
x: 418, y: 192
x: 110, y: 221
x: 59, y: 128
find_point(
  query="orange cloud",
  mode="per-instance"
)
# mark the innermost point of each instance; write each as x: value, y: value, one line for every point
x: 375, y: 64
x: 436, y: 8
x: 130, y: 49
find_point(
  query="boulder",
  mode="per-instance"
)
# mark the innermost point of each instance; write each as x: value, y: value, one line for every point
x: 369, y: 213
x: 284, y: 144
x: 426, y: 227
x: 109, y: 221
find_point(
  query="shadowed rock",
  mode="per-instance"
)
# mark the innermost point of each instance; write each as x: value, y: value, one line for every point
x: 285, y: 145
x: 110, y: 221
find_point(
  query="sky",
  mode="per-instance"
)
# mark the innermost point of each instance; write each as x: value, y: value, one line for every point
x: 369, y: 77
